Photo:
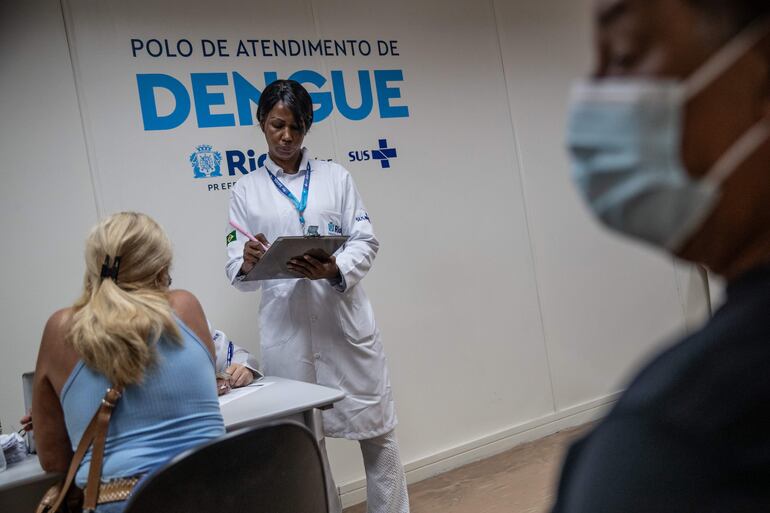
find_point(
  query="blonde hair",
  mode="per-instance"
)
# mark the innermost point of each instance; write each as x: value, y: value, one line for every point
x: 117, y: 322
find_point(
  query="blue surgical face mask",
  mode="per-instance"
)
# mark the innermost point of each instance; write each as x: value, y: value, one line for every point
x: 625, y: 139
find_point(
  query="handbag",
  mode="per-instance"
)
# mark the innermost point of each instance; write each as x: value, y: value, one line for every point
x: 63, y: 497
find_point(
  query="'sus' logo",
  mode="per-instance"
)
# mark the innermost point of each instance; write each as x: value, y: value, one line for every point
x: 206, y: 162
x: 383, y: 154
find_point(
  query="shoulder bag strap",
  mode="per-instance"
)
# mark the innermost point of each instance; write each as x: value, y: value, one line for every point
x: 109, y: 402
x: 96, y: 432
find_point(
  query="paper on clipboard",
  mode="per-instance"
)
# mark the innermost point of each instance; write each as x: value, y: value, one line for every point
x: 272, y: 266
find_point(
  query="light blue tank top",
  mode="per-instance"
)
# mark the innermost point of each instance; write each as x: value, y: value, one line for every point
x: 173, y: 409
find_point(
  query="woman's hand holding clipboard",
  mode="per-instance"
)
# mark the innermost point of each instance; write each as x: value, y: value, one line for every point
x: 289, y: 257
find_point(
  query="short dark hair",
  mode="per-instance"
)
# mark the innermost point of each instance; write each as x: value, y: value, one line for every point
x: 740, y: 13
x: 293, y: 95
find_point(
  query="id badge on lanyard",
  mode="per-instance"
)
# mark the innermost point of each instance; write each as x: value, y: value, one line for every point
x: 300, y: 205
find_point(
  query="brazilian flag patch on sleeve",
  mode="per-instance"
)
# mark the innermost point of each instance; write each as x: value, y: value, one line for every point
x: 231, y: 237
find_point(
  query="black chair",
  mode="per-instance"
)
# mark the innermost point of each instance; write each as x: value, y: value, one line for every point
x: 275, y: 468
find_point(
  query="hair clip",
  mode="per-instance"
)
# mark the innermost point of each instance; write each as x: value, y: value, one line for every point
x: 110, y: 272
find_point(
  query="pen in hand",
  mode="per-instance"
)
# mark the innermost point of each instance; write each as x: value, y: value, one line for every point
x: 224, y: 384
x: 249, y: 236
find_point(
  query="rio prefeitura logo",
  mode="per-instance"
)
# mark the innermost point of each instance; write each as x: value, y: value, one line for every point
x: 206, y: 162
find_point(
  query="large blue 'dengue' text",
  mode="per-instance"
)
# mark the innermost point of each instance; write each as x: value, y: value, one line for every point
x: 205, y: 92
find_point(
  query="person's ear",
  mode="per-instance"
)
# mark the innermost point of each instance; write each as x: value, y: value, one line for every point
x: 163, y: 278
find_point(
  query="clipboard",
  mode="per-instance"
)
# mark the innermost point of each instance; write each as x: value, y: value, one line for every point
x: 272, y: 266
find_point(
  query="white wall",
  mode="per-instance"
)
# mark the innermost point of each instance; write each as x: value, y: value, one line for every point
x: 506, y: 311
x: 603, y: 300
x: 47, y: 198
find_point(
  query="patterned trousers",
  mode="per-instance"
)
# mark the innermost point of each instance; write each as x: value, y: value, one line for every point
x: 385, y: 479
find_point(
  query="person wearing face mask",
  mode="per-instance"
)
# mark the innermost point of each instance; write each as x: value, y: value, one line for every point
x: 670, y: 145
x: 319, y: 328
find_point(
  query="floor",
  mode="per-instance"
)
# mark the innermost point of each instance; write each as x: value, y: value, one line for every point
x: 520, y: 480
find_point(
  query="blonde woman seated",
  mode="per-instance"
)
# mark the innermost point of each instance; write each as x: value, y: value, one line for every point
x: 126, y: 329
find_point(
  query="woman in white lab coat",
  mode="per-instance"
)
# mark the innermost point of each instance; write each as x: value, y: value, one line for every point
x: 321, y: 328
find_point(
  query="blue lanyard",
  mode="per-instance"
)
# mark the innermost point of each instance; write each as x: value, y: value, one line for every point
x: 299, y: 205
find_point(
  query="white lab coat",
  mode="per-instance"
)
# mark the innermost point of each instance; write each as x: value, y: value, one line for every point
x: 311, y: 330
x: 240, y: 355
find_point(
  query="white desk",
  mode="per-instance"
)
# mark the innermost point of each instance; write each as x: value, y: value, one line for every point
x: 279, y: 399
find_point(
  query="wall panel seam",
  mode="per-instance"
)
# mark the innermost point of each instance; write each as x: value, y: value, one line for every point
x: 325, y: 69
x: 522, y: 182
x: 66, y: 15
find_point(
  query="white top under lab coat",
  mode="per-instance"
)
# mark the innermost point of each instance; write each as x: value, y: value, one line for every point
x: 311, y: 330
